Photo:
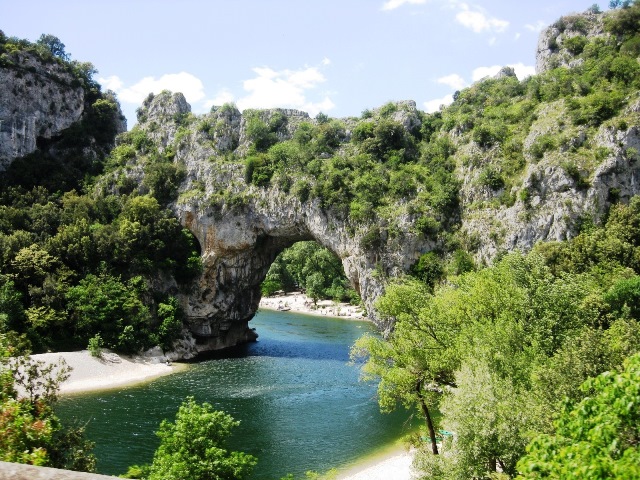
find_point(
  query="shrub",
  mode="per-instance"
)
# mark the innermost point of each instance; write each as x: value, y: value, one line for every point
x: 542, y: 144
x: 576, y: 44
x: 490, y: 177
x: 95, y: 346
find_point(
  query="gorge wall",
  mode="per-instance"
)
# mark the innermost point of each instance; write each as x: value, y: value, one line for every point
x: 241, y: 227
x: 510, y: 163
x: 42, y: 99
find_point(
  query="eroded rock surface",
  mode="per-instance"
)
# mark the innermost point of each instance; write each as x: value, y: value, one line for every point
x: 37, y: 102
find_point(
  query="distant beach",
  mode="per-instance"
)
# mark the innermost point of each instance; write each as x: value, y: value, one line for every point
x: 300, y: 303
x: 391, y: 465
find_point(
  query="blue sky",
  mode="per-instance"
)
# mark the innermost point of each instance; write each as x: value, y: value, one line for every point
x: 336, y: 56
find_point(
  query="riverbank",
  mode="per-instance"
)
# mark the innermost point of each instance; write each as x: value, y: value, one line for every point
x: 110, y: 371
x: 393, y: 464
x: 298, y: 302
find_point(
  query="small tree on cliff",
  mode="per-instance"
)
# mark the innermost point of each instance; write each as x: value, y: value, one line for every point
x: 54, y: 44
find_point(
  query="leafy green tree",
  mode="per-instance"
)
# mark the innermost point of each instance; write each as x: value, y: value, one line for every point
x: 309, y: 266
x: 170, y: 328
x: 104, y: 303
x: 416, y: 361
x: 491, y: 419
x: 596, y: 437
x: 313, y: 286
x: 194, y: 447
x: 30, y: 432
x: 55, y: 46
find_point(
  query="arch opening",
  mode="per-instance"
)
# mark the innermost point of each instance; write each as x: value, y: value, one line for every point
x: 312, y: 269
x: 233, y: 281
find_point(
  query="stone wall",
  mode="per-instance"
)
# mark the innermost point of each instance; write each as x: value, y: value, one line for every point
x: 17, y: 471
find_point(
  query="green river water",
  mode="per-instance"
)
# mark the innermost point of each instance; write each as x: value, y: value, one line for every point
x: 300, y: 403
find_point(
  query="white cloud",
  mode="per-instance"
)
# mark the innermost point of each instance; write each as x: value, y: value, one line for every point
x: 538, y: 26
x: 284, y: 88
x: 326, y: 61
x: 453, y: 81
x: 222, y: 97
x: 522, y: 71
x: 183, y: 82
x: 393, y: 4
x: 434, y: 105
x: 111, y: 83
x: 476, y: 20
x: 517, y: 36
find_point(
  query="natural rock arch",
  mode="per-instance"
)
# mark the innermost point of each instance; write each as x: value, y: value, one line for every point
x: 239, y: 246
x: 242, y: 227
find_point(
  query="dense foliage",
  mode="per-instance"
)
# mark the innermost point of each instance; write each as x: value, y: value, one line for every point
x: 501, y: 352
x: 78, y: 257
x: 194, y: 447
x: 312, y: 268
x: 362, y: 173
x: 498, y: 350
x: 30, y: 432
x: 597, y: 437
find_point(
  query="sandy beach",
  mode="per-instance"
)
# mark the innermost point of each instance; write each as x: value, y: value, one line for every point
x: 393, y: 465
x: 299, y: 303
x: 111, y: 371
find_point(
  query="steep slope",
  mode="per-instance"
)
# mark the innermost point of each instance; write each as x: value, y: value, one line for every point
x: 52, y: 110
x: 508, y: 164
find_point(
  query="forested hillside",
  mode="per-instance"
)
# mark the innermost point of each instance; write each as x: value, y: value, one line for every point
x: 76, y: 261
x: 509, y: 163
x: 497, y: 241
x: 528, y: 368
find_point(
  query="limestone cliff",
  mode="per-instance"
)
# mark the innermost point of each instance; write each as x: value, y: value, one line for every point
x: 41, y: 99
x: 241, y: 228
x: 510, y: 163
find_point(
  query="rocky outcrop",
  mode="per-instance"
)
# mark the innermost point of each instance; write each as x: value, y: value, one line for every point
x: 555, y: 45
x: 39, y: 100
x: 242, y: 228
x: 559, y: 190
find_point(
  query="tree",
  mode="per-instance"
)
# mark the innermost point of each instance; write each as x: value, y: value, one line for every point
x: 55, y: 46
x: 30, y: 432
x: 416, y: 360
x: 597, y: 437
x: 619, y: 3
x: 491, y: 419
x: 194, y: 447
x: 112, y: 307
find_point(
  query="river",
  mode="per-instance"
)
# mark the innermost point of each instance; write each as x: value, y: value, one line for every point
x: 299, y: 401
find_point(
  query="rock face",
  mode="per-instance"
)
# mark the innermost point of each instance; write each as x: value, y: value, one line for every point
x: 242, y: 228
x: 555, y: 47
x: 239, y: 245
x: 37, y: 102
